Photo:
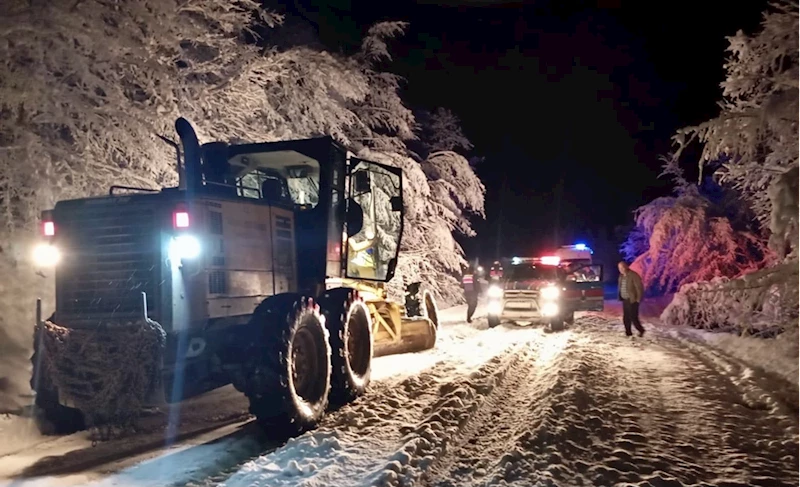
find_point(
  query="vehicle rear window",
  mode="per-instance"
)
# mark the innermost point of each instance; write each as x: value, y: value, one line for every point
x: 523, y: 271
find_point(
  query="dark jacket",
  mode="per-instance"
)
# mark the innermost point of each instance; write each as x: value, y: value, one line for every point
x: 470, y: 282
x: 633, y: 286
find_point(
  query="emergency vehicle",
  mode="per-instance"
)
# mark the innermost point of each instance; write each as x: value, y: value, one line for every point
x: 547, y: 289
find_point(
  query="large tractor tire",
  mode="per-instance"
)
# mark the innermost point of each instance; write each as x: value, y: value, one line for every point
x: 494, y: 320
x: 350, y: 328
x: 287, y: 365
x: 51, y: 416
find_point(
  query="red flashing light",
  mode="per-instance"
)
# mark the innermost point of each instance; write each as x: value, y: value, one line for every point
x: 550, y: 260
x: 48, y: 228
x: 181, y: 219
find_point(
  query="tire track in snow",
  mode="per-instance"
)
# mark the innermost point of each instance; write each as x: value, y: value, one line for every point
x: 612, y: 410
x: 393, y: 434
x: 681, y: 418
x: 487, y: 444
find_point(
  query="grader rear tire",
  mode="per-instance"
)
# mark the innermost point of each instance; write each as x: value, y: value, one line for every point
x: 288, y: 368
x: 350, y: 328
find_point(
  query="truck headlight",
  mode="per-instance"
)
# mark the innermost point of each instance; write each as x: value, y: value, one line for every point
x: 184, y: 247
x: 495, y: 292
x: 550, y: 292
x: 549, y: 309
x: 46, y: 255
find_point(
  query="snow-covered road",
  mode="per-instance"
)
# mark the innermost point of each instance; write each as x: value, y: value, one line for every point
x: 518, y: 406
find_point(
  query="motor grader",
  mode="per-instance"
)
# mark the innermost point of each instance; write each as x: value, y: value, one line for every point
x: 265, y: 268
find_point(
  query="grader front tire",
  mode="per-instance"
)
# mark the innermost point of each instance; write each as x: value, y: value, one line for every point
x: 288, y: 367
x: 350, y: 327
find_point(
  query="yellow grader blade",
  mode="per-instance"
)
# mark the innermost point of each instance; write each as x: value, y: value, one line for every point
x: 416, y: 335
x: 392, y: 333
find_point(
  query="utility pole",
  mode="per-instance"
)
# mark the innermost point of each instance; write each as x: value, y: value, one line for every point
x: 498, y: 243
x: 559, y: 196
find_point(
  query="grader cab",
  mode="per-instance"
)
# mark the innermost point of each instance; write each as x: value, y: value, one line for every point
x: 265, y: 268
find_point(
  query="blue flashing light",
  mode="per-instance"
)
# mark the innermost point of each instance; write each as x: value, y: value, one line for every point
x: 580, y: 246
x: 516, y: 260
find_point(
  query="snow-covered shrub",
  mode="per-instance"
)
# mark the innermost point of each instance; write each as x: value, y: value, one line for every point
x: 21, y: 285
x: 687, y: 238
x: 764, y: 302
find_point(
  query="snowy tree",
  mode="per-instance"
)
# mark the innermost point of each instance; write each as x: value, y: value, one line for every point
x: 701, y: 233
x: 85, y: 86
x: 758, y: 123
x: 442, y: 191
x: 441, y: 131
x: 757, y: 131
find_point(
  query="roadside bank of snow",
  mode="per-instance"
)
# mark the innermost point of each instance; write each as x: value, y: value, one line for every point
x: 777, y: 355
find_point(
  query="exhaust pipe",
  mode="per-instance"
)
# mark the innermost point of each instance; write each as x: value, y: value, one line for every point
x: 191, y: 154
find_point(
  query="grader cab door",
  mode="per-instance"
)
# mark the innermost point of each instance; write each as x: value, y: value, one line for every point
x: 376, y: 202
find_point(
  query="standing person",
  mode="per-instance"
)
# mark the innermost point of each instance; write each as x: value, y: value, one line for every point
x: 630, y: 293
x: 471, y: 290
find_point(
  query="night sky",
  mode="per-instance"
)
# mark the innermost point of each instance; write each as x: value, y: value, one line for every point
x: 570, y: 102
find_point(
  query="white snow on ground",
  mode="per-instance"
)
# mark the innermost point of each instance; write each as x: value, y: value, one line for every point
x: 519, y: 406
x: 583, y: 407
x: 777, y: 355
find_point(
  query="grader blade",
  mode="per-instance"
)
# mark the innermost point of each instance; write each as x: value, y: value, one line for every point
x: 415, y: 335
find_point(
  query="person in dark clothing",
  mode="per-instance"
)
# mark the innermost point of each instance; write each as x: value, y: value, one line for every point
x: 471, y: 291
x: 630, y: 291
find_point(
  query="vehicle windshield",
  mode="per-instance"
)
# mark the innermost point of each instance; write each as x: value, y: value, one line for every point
x: 286, y: 177
x: 529, y: 271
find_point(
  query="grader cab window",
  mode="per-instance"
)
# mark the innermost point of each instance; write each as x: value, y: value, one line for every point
x: 372, y: 250
x: 280, y: 177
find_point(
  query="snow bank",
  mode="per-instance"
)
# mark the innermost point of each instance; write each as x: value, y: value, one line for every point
x: 777, y: 355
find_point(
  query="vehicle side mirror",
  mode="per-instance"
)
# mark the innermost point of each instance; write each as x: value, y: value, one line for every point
x: 355, y: 217
x: 397, y: 203
x: 391, y: 267
x: 361, y: 182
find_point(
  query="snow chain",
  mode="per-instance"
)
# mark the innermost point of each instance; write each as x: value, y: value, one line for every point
x: 106, y: 372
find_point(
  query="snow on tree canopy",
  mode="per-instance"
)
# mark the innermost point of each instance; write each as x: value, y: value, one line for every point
x: 758, y: 123
x: 757, y: 132
x: 86, y: 86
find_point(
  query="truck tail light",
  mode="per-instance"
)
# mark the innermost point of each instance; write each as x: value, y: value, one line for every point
x: 48, y: 224
x: 180, y: 219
